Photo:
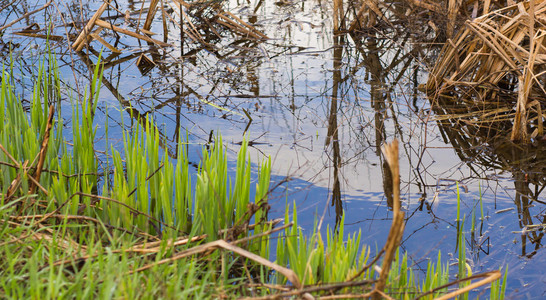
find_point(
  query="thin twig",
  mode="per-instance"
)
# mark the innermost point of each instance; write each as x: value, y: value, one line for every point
x: 289, y: 274
x: 318, y: 288
x: 489, y: 277
x: 26, y: 15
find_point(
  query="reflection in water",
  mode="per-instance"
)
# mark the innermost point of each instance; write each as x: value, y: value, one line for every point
x: 384, y: 80
x: 377, y: 86
x: 486, y: 145
x: 333, y: 134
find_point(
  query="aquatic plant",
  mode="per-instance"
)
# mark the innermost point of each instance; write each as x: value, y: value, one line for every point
x: 146, y: 231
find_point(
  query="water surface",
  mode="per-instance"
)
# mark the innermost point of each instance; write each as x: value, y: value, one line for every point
x: 321, y: 105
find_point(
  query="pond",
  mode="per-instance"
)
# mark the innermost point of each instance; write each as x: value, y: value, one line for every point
x: 321, y: 105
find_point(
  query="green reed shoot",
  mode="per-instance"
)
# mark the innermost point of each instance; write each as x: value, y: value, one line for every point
x: 338, y: 259
x: 464, y: 269
x: 481, y: 202
x: 498, y: 288
x: 458, y: 203
x: 436, y: 275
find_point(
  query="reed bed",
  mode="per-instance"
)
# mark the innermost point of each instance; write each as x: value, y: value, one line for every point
x: 494, y: 66
x: 442, y: 17
x: 140, y: 229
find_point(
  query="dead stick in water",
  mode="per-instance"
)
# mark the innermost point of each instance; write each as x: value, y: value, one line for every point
x: 250, y: 27
x: 235, y: 26
x: 107, y: 25
x: 78, y: 44
x: 150, y: 16
x: 390, y: 151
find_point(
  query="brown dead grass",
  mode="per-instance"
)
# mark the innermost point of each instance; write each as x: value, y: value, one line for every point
x: 497, y: 62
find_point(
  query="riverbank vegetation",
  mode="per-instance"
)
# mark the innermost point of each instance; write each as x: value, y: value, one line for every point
x: 140, y: 223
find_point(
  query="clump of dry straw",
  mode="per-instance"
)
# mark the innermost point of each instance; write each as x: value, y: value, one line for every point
x: 496, y: 64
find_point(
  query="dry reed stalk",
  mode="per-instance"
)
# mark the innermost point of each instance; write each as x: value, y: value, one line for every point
x: 289, y: 274
x: 193, y: 29
x: 393, y: 241
x: 164, y: 21
x: 99, y: 39
x: 519, y: 130
x: 38, y: 185
x: 390, y: 151
x: 156, y: 246
x: 86, y: 36
x: 540, y: 128
x: 16, y: 182
x: 186, y: 32
x: 367, y: 15
x: 504, y: 46
x: 452, y: 13
x: 15, y: 162
x: 250, y: 27
x: 57, y: 38
x: 338, y: 14
x: 357, y: 22
x: 206, y: 13
x: 183, y: 3
x: 92, y: 35
x: 304, y: 293
x: 78, y: 44
x: 142, y: 249
x: 226, y: 21
x: 432, y: 6
x: 150, y: 16
x: 489, y: 277
x: 107, y: 25
x: 62, y: 242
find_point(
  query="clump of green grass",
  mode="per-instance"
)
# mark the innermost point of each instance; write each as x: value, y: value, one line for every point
x: 342, y: 258
x: 145, y: 231
x: 70, y: 225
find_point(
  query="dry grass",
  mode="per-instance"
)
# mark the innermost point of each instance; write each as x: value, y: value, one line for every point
x: 495, y: 65
x: 195, y: 19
